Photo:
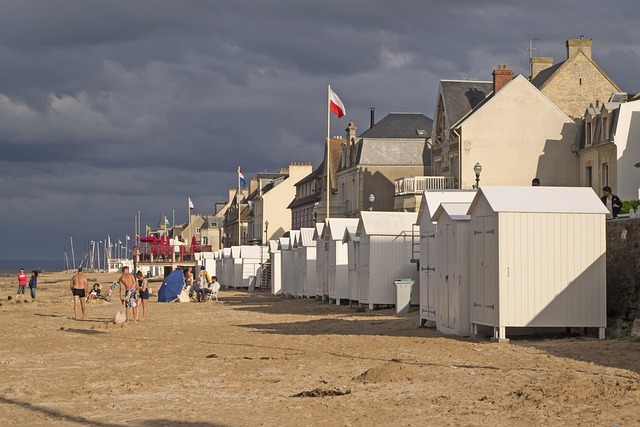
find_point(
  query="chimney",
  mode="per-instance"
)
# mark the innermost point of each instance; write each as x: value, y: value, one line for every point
x: 351, y: 132
x: 538, y: 64
x: 373, y: 117
x: 501, y: 77
x: 579, y: 45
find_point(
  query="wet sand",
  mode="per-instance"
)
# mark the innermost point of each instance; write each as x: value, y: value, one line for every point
x: 256, y: 359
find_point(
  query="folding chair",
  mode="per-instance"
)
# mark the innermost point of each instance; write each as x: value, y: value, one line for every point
x: 214, y: 292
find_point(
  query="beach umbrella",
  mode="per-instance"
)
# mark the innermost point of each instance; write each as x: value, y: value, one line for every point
x: 193, y: 244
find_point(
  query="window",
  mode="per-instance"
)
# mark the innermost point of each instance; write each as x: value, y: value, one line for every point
x: 605, y: 129
x: 453, y: 164
x: 197, y: 231
x: 605, y: 174
x: 589, y: 176
x: 438, y: 166
x: 588, y: 134
x: 205, y: 240
x: 213, y: 224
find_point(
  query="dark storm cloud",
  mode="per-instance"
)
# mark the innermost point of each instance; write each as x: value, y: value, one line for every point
x: 110, y: 107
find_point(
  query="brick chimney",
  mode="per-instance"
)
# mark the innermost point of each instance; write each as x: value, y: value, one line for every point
x: 538, y: 64
x: 579, y: 45
x: 501, y: 77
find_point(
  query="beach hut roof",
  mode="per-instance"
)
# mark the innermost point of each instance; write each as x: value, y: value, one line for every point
x: 307, y: 236
x: 456, y: 211
x: 386, y: 223
x: 335, y: 227
x: 284, y: 244
x: 431, y: 199
x: 541, y: 199
x: 317, y: 234
x: 294, y: 235
x: 273, y: 245
x: 350, y: 234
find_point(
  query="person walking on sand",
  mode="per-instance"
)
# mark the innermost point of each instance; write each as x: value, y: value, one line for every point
x: 79, y: 289
x: 22, y: 284
x: 130, y: 300
x: 143, y: 286
x: 33, y: 282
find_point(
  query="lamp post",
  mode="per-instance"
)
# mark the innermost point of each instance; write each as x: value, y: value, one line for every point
x: 266, y: 231
x: 372, y: 199
x: 477, y: 169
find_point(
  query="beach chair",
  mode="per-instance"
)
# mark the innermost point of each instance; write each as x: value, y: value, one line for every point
x: 214, y: 292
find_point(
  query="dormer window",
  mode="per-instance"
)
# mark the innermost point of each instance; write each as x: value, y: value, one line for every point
x: 588, y: 134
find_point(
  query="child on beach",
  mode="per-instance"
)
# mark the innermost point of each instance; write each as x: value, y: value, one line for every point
x: 33, y: 282
x: 95, y: 292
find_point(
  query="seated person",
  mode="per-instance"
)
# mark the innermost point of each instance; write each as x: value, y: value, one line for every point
x: 209, y: 288
x: 95, y: 292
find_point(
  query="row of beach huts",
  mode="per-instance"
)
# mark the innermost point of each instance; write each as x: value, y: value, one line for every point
x: 493, y: 261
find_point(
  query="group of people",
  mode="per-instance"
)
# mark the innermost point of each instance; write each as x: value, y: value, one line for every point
x: 199, y: 289
x: 22, y: 284
x: 135, y: 289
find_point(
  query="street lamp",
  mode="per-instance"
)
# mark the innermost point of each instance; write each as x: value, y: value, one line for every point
x: 477, y: 169
x: 266, y: 231
x: 372, y: 199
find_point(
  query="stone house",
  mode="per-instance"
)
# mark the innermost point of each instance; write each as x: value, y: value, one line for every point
x: 574, y: 83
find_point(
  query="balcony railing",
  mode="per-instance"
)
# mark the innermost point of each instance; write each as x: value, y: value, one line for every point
x: 157, y: 253
x: 417, y: 184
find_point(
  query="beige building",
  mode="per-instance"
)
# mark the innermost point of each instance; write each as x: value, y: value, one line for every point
x: 515, y: 134
x: 574, y: 83
x: 393, y: 148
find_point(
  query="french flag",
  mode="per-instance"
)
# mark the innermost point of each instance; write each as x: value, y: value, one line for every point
x: 241, y: 177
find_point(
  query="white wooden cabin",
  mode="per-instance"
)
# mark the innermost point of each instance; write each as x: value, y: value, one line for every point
x: 452, y: 268
x: 287, y: 265
x: 227, y: 268
x: 296, y: 276
x: 338, y: 275
x: 538, y: 258
x: 322, y: 272
x: 384, y: 255
x: 252, y: 258
x: 276, y: 267
x: 352, y: 241
x: 430, y: 202
x: 308, y: 249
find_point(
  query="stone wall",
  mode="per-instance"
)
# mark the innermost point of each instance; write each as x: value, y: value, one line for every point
x: 623, y: 276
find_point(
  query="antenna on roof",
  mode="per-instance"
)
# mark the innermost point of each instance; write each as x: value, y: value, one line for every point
x: 531, y: 49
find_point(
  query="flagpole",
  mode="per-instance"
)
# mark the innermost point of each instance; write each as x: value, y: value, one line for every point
x: 328, y: 148
x: 238, y: 200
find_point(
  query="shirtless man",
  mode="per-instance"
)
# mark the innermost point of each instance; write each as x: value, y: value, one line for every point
x: 129, y: 284
x: 79, y: 288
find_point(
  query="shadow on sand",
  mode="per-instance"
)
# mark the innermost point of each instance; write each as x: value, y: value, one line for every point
x: 61, y: 416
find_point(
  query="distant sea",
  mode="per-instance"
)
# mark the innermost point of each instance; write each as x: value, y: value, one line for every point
x: 47, y: 266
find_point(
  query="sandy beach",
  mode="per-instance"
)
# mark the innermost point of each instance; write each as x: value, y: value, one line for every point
x: 258, y: 359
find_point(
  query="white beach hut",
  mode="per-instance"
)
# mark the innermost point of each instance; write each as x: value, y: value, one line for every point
x: 352, y: 241
x: 227, y: 267
x: 452, y: 268
x: 252, y: 259
x: 236, y: 275
x: 296, y: 268
x: 276, y: 267
x: 431, y: 200
x: 537, y: 258
x: 308, y: 249
x: 384, y: 256
x: 337, y: 255
x: 322, y: 273
x: 287, y: 265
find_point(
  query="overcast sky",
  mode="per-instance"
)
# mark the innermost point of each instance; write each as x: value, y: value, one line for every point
x: 111, y: 107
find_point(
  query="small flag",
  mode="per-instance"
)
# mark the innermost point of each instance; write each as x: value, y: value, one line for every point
x: 241, y: 177
x: 166, y: 221
x: 190, y: 204
x: 137, y: 236
x: 335, y: 104
x: 128, y: 238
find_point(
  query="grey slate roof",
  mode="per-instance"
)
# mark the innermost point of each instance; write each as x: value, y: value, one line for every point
x: 400, y: 125
x: 391, y: 152
x: 461, y: 96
